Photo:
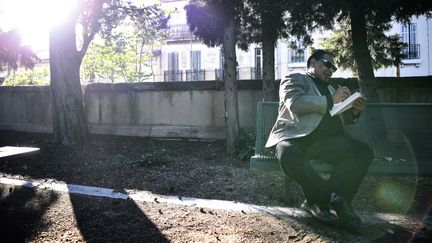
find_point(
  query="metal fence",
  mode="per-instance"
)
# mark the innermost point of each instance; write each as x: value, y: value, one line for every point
x: 195, y: 75
x: 173, y: 75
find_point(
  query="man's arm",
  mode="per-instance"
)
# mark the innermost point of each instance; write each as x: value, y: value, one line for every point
x: 298, y: 97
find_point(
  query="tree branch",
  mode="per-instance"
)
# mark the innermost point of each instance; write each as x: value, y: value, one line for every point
x: 88, y: 37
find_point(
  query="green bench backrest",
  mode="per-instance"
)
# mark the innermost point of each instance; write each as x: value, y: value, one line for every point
x: 266, y: 116
x: 407, y: 129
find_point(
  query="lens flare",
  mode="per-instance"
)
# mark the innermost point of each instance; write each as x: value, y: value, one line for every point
x: 394, y: 197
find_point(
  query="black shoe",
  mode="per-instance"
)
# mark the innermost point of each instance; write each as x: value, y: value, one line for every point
x: 349, y: 220
x: 320, y: 212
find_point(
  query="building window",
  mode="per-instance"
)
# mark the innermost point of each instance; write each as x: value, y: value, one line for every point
x: 195, y: 60
x: 297, y: 52
x: 257, y: 71
x: 173, y: 61
x: 297, y: 55
x: 173, y: 73
x: 409, y: 37
x: 195, y: 73
x: 409, y: 33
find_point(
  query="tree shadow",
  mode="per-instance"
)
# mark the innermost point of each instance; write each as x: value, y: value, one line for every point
x: 104, y: 219
x: 99, y: 219
x: 21, y: 212
x: 113, y: 220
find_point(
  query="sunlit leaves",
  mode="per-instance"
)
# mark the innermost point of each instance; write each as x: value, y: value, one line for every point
x: 124, y: 56
x: 36, y: 76
x: 121, y: 60
x: 104, y: 16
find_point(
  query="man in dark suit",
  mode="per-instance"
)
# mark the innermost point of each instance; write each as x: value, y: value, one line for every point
x: 305, y: 130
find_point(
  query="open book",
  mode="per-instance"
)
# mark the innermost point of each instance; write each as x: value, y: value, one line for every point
x: 344, y: 105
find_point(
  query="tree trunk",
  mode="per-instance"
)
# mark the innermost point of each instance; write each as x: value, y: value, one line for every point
x: 376, y: 132
x: 268, y: 44
x: 398, y: 70
x: 230, y: 76
x: 362, y: 55
x: 69, y: 117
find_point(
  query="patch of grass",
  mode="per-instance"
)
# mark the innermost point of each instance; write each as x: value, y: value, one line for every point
x: 245, y: 145
x: 158, y: 156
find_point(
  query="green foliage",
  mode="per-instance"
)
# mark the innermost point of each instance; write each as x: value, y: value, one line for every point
x: 37, y: 76
x: 111, y: 63
x: 385, y: 49
x: 126, y: 53
x: 124, y: 57
x: 245, y: 145
x: 208, y: 18
x: 306, y: 16
x: 154, y: 157
x: 264, y: 18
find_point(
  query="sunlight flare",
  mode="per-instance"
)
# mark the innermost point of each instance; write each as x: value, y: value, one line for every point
x: 393, y: 196
x: 33, y: 18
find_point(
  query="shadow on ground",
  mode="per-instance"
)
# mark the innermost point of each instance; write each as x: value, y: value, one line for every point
x: 21, y: 212
x: 114, y: 220
x: 194, y: 168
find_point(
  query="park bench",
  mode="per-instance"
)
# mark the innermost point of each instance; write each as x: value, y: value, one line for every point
x: 402, y: 147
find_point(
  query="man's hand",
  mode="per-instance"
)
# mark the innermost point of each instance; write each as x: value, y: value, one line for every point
x: 341, y: 94
x: 358, y: 105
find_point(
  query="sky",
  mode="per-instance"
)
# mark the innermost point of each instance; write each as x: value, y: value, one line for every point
x: 33, y: 18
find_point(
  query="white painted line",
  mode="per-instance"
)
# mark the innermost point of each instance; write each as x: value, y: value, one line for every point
x: 146, y: 196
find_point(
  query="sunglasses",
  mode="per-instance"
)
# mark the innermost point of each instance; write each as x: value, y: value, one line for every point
x: 328, y: 64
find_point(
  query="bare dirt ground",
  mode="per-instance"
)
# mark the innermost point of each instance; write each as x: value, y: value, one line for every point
x: 391, y: 208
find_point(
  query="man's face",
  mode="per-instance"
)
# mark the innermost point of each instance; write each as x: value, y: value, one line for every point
x: 323, y: 68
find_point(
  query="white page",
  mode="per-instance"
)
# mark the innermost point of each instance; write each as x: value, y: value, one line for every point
x: 344, y: 105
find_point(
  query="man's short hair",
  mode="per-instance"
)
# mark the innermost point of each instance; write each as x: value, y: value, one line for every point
x: 318, y: 54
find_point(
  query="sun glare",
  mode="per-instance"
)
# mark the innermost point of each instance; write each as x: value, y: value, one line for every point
x: 33, y: 18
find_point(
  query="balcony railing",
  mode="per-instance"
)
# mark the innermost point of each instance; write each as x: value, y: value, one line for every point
x: 411, y: 51
x: 195, y: 75
x: 203, y: 74
x: 298, y: 55
x: 180, y: 32
x: 255, y: 73
x: 173, y: 75
x: 219, y: 74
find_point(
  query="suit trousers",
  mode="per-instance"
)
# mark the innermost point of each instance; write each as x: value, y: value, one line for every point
x: 350, y: 159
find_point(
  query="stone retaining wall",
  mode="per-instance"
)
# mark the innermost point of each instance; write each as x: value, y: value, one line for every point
x: 168, y: 109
